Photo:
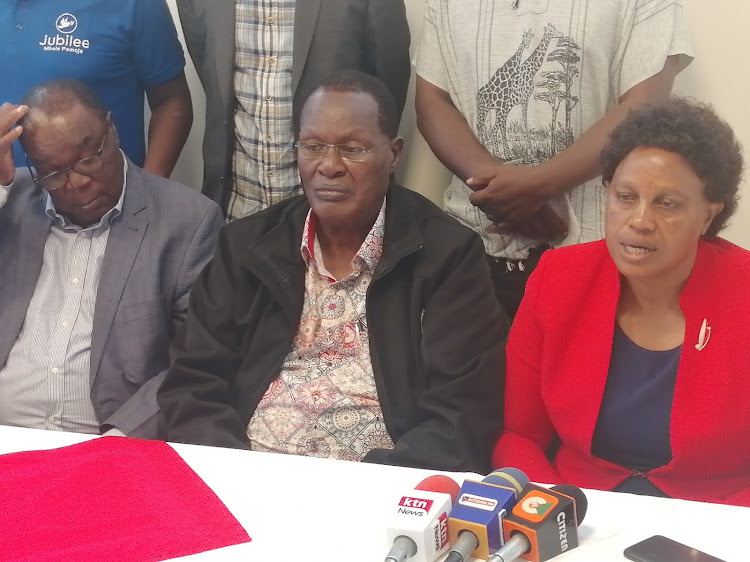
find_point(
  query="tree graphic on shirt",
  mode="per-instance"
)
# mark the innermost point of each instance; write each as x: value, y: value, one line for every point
x: 557, y: 87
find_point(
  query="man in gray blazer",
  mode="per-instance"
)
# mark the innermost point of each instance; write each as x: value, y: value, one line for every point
x: 257, y: 61
x: 98, y: 257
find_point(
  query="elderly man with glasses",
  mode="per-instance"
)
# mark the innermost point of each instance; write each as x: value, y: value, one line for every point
x: 98, y: 259
x: 355, y: 322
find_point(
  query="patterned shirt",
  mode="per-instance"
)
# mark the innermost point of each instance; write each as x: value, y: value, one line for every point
x: 45, y: 383
x: 264, y: 166
x: 324, y: 402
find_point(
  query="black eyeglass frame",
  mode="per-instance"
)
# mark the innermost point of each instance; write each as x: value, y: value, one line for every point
x: 41, y: 182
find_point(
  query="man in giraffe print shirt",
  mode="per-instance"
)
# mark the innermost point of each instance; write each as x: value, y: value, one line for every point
x: 517, y: 98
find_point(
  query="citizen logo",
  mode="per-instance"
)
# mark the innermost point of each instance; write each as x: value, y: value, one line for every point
x: 563, y: 531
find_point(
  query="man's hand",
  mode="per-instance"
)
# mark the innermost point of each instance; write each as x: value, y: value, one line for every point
x: 514, y: 198
x: 509, y: 193
x: 9, y: 116
x: 544, y: 226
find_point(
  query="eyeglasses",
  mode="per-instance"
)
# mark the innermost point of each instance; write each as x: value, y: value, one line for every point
x: 89, y: 166
x: 317, y: 150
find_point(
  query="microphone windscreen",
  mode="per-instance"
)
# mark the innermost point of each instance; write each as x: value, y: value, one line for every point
x: 441, y: 484
x: 578, y: 496
x: 512, y: 477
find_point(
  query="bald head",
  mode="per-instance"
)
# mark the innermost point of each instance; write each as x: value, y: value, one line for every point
x: 73, y: 148
x: 55, y: 98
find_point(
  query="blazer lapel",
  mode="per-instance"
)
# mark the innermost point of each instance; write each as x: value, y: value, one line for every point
x: 23, y: 278
x: 224, y: 44
x: 125, y: 238
x: 305, y: 21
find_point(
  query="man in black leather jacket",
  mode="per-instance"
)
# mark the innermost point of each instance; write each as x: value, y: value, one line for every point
x: 430, y: 331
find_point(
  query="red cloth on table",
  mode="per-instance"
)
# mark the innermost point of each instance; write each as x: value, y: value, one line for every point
x: 112, y: 498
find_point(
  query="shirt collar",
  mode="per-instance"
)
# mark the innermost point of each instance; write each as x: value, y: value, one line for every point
x: 368, y: 255
x: 60, y: 221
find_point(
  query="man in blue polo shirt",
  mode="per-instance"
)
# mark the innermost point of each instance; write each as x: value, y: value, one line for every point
x: 121, y: 50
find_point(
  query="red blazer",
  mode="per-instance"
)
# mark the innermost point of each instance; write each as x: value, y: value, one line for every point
x: 557, y: 362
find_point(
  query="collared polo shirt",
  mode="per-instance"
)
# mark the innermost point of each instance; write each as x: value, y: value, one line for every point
x: 119, y: 49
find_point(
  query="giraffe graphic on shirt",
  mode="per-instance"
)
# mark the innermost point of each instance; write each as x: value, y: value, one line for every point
x: 503, y: 96
x: 500, y: 87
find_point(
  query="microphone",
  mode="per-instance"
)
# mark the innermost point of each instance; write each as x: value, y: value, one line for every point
x: 419, y: 527
x: 543, y: 524
x: 475, y: 526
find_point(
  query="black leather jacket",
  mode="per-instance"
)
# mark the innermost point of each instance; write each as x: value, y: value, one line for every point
x: 437, y: 335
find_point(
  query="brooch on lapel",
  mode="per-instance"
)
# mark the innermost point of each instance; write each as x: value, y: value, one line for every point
x: 703, y: 336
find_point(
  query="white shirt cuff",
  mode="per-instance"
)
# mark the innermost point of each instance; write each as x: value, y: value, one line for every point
x: 114, y: 432
x: 4, y: 190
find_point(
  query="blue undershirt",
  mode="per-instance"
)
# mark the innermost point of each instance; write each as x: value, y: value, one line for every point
x: 634, y: 419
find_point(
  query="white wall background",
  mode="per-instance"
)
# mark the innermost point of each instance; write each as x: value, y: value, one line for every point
x: 718, y: 75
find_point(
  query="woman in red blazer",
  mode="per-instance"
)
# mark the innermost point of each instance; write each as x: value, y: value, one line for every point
x: 628, y: 364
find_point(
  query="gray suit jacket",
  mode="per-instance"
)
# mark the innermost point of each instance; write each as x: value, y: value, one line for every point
x: 329, y: 35
x: 156, y: 249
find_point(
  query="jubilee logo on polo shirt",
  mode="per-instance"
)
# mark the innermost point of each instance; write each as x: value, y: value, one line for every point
x: 64, y: 40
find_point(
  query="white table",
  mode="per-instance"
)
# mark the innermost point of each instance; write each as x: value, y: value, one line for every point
x: 318, y: 510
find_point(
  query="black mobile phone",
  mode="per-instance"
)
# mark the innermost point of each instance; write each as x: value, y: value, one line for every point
x: 662, y: 549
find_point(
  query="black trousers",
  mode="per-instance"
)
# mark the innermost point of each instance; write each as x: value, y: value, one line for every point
x: 509, y: 278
